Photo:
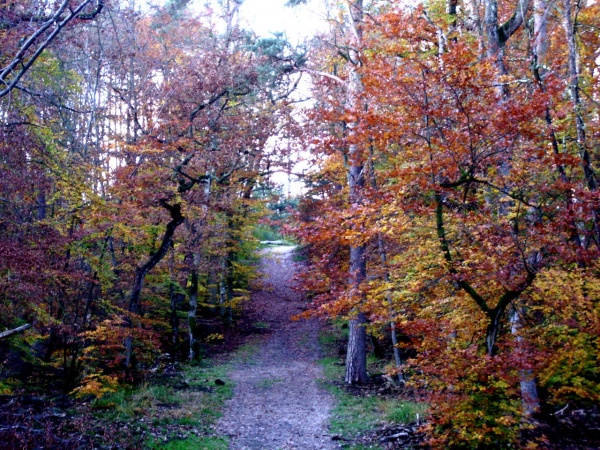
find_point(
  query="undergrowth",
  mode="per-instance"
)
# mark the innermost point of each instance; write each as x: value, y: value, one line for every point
x: 172, y: 411
x: 357, y: 414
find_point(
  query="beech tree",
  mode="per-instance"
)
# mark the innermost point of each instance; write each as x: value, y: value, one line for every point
x: 485, y: 191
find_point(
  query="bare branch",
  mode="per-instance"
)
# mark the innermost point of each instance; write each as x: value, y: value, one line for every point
x: 325, y: 75
x: 58, y: 22
x: 20, y: 329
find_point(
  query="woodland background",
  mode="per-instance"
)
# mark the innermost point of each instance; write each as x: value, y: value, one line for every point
x: 451, y: 210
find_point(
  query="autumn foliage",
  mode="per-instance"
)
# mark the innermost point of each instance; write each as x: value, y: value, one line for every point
x: 452, y: 197
x: 129, y: 153
x: 479, y: 213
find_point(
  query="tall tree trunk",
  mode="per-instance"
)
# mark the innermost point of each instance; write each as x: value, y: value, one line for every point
x: 356, y: 359
x: 192, y: 311
x: 497, y: 35
x: 356, y: 356
x: 474, y: 23
x: 574, y: 91
x: 174, y: 320
x: 540, y: 30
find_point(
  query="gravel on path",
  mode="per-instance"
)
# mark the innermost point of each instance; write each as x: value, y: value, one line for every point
x: 277, y: 401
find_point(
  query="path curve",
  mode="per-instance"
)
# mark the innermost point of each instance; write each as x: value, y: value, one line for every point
x: 277, y: 402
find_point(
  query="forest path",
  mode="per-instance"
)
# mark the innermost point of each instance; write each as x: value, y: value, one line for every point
x: 277, y: 402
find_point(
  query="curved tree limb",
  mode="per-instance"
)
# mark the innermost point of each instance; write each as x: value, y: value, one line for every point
x: 141, y: 272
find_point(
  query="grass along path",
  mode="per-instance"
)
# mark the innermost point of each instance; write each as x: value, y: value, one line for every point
x: 176, y: 411
x: 280, y: 390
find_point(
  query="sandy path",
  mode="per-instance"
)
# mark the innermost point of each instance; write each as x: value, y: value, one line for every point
x: 277, y: 403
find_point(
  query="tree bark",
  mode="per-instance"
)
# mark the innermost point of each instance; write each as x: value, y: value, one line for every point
x: 574, y: 91
x: 497, y: 35
x: 174, y: 321
x: 540, y: 30
x: 529, y: 394
x: 192, y: 311
x: 356, y: 356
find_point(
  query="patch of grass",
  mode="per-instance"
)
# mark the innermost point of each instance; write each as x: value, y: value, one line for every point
x: 266, y: 233
x: 269, y: 383
x: 405, y: 411
x: 191, y: 443
x: 333, y: 368
x: 246, y: 353
x: 172, y: 411
x: 353, y: 414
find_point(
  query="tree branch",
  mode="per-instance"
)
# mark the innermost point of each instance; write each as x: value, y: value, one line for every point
x: 508, y: 28
x: 20, y: 329
x: 59, y: 23
x: 140, y: 272
x: 441, y: 232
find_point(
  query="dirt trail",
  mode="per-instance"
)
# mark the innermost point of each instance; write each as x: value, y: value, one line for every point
x: 277, y: 403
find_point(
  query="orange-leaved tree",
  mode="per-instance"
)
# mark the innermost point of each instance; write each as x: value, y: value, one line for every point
x: 486, y: 200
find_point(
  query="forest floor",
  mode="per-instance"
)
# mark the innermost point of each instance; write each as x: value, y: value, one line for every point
x: 277, y: 400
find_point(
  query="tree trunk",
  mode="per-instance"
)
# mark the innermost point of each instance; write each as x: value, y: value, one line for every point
x: 356, y: 356
x: 174, y: 321
x: 20, y: 329
x: 497, y: 35
x: 574, y: 91
x: 397, y: 357
x: 529, y: 394
x: 192, y: 310
x: 540, y: 30
x: 141, y: 272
